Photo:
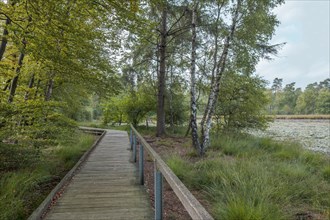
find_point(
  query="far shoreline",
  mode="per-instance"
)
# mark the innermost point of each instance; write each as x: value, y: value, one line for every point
x: 286, y: 117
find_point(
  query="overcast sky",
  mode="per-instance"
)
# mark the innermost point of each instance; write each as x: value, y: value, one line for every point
x: 305, y: 57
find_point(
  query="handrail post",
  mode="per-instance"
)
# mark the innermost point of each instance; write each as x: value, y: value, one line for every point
x: 141, y: 165
x: 158, y: 185
x: 131, y: 138
x: 134, y: 148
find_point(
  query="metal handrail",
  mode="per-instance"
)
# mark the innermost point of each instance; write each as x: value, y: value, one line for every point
x: 191, y: 204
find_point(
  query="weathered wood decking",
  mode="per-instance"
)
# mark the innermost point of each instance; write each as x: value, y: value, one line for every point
x: 106, y: 186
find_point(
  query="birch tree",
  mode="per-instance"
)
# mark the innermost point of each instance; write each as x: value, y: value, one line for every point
x: 243, y: 42
x: 193, y: 104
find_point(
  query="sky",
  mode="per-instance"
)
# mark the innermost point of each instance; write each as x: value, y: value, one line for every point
x: 305, y: 57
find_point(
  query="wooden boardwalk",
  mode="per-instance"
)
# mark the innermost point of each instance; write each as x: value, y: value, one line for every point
x: 106, y: 187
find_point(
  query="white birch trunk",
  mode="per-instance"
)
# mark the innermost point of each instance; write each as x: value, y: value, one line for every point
x: 215, y: 59
x: 213, y: 97
x: 193, y: 104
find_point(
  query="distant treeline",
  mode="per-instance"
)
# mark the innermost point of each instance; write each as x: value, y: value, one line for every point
x: 287, y: 100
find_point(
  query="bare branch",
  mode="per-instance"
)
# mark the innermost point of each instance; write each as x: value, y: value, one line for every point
x: 177, y: 21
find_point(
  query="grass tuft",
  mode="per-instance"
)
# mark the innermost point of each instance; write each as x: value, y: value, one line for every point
x: 326, y: 173
x: 179, y: 167
x: 71, y: 153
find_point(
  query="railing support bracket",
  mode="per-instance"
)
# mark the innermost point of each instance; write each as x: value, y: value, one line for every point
x: 141, y: 165
x: 134, y: 148
x: 158, y: 194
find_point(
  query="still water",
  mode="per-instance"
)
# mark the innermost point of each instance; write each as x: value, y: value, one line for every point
x: 312, y: 134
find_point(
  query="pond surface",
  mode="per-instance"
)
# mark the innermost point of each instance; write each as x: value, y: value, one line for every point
x: 312, y: 134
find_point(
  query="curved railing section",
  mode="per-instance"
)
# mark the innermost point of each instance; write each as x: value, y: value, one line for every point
x: 191, y: 204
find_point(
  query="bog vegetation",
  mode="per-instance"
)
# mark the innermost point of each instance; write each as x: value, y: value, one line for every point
x: 245, y: 177
x: 162, y: 62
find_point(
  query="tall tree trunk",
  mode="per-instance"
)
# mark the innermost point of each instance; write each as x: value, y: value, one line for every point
x: 213, y: 97
x: 49, y: 90
x: 14, y: 81
x: 31, y: 82
x: 193, y: 103
x: 37, y: 87
x: 4, y: 39
x: 161, y: 75
x: 170, y: 100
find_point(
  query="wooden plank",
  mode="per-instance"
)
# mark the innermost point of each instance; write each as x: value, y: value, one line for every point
x: 123, y: 214
x: 101, y: 188
x: 105, y: 187
x: 102, y: 195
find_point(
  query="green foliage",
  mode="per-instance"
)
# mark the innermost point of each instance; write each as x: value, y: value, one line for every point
x: 308, y: 100
x: 176, y: 105
x: 56, y: 52
x: 114, y: 109
x: 289, y: 99
x: 34, y: 123
x: 131, y: 107
x: 14, y: 157
x: 241, y: 103
x: 258, y: 178
x: 257, y: 26
x: 323, y: 101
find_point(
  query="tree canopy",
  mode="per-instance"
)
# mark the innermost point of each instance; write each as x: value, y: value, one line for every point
x: 54, y: 54
x: 314, y: 99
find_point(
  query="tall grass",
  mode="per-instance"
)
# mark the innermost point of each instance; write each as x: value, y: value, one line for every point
x: 249, y: 178
x: 24, y: 186
x: 69, y: 155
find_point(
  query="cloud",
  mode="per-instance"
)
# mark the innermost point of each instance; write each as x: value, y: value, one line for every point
x: 305, y: 57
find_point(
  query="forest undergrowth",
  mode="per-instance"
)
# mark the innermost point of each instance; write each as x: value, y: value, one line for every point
x: 27, y: 174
